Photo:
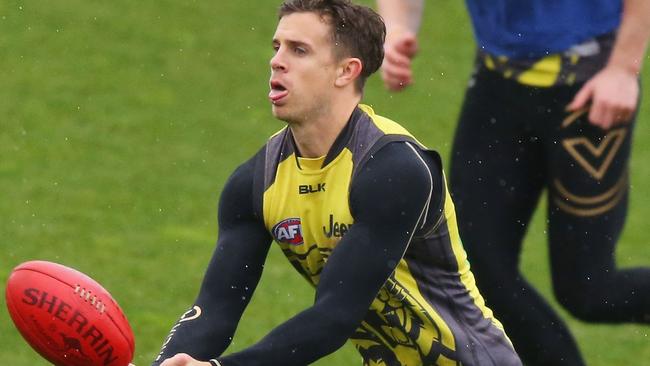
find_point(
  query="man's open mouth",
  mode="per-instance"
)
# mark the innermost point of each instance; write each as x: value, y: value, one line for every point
x: 278, y: 91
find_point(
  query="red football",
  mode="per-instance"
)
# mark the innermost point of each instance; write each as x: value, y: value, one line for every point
x: 67, y: 317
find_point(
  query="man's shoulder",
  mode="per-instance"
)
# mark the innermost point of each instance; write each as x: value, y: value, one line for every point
x: 386, y: 125
x: 404, y: 158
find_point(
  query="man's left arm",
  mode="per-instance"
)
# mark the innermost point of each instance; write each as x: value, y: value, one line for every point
x: 614, y: 91
x: 387, y: 204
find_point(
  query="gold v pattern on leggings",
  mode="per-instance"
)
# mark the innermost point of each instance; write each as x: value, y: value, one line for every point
x: 586, y: 206
x: 604, y: 153
x: 595, y: 159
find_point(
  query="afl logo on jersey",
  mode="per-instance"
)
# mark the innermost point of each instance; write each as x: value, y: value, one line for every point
x: 288, y: 231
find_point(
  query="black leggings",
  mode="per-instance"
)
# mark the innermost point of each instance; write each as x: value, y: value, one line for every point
x: 512, y: 142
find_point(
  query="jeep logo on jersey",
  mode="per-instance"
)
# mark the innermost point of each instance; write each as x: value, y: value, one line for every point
x: 336, y: 229
x: 288, y: 231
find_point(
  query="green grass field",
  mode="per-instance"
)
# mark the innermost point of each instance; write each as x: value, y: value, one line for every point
x: 121, y: 120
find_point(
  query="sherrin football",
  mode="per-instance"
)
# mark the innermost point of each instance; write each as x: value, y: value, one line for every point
x: 67, y: 317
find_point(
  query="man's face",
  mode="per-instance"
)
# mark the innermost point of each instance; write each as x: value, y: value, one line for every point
x: 303, y: 69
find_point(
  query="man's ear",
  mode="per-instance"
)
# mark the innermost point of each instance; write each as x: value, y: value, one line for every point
x: 349, y: 70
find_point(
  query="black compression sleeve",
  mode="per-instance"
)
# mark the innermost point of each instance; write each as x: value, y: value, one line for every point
x: 231, y: 277
x: 387, y: 198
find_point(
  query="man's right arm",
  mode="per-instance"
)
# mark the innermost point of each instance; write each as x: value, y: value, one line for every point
x: 206, y: 330
x: 402, y: 20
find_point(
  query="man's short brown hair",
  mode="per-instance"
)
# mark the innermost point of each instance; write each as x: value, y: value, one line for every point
x: 357, y: 31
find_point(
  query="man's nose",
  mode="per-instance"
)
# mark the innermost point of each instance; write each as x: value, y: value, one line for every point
x: 277, y: 61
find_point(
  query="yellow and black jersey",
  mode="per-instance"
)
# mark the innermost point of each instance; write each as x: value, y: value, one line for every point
x: 429, y: 310
x: 372, y: 227
x: 306, y: 202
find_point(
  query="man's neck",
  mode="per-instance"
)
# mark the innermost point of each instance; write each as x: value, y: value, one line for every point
x: 315, y: 137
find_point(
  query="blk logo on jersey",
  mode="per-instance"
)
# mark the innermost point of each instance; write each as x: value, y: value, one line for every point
x: 308, y: 188
x: 288, y: 231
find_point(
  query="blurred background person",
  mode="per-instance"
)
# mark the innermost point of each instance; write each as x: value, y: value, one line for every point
x: 551, y: 105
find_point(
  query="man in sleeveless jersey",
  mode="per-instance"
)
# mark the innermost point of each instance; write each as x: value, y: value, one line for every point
x: 357, y: 205
x: 551, y: 105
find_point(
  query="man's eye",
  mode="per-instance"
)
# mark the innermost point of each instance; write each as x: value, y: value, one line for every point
x: 300, y: 50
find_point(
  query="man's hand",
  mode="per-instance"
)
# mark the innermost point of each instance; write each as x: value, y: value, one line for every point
x: 399, y: 50
x: 182, y: 359
x: 613, y: 92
